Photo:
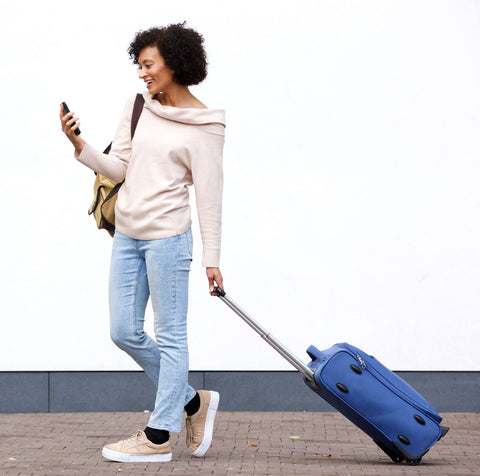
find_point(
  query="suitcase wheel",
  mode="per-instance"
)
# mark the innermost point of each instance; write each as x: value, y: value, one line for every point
x: 419, y: 419
x: 412, y: 460
x: 343, y: 388
x: 356, y: 369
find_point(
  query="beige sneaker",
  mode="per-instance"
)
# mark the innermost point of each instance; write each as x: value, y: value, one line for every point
x: 200, y: 425
x: 138, y: 448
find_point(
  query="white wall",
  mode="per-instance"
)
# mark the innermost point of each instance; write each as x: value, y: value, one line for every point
x: 352, y: 200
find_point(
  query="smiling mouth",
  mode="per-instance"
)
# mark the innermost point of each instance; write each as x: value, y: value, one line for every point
x: 149, y: 83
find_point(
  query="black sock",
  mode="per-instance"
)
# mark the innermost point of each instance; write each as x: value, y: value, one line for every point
x: 193, y: 405
x: 157, y: 436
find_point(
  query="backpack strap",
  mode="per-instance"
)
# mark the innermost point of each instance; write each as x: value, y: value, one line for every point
x: 137, y: 111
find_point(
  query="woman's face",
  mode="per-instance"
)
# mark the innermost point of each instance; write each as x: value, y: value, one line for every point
x: 153, y: 70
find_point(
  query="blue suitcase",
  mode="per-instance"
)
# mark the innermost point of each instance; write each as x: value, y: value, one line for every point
x: 399, y: 420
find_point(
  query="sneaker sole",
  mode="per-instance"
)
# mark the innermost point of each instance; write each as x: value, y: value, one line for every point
x: 134, y: 458
x: 207, y: 438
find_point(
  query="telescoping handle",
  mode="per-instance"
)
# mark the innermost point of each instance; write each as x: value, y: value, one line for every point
x: 306, y: 371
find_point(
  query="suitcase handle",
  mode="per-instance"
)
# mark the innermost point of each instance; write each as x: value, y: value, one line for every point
x: 305, y: 370
x: 220, y: 292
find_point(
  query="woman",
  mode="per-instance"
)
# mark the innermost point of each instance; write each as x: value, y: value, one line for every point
x: 178, y: 142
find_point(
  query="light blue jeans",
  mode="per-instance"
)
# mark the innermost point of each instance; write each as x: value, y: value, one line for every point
x: 158, y: 269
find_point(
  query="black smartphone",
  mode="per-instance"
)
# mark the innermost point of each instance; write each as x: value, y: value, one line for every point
x: 66, y: 110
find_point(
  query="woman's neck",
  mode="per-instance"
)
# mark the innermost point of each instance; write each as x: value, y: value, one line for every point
x: 179, y: 96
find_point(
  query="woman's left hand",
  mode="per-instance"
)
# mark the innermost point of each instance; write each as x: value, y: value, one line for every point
x: 69, y: 124
x: 214, y: 278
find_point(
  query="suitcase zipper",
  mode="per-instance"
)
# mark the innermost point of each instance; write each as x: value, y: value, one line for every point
x: 362, y: 362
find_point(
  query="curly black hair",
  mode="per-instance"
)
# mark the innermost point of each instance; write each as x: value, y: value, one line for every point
x: 180, y: 47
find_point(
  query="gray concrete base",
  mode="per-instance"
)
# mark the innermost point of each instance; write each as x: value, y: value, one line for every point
x: 37, y: 392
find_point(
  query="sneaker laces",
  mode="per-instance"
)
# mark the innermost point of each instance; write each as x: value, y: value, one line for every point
x: 188, y: 425
x: 135, y: 439
x: 192, y: 430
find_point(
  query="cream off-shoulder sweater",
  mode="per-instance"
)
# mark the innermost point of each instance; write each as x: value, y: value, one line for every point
x: 173, y: 148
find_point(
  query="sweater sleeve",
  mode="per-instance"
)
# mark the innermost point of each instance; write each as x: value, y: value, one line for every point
x: 113, y: 165
x: 207, y: 174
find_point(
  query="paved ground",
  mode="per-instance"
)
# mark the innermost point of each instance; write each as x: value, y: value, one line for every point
x: 245, y: 443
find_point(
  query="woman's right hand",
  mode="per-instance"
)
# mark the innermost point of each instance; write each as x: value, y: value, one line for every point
x: 68, y: 128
